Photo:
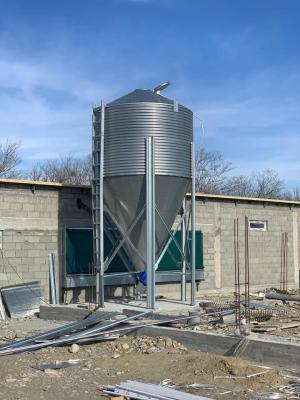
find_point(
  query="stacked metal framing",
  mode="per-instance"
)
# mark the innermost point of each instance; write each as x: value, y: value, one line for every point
x: 92, y: 329
x: 147, y: 391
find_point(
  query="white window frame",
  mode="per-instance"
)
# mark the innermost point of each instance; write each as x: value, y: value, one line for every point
x: 258, y: 221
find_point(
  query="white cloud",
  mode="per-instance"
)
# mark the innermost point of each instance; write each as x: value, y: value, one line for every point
x: 47, y: 105
x: 45, y: 101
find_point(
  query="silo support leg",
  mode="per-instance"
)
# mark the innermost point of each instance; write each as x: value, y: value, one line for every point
x: 97, y: 198
x: 193, y: 213
x: 150, y: 218
x: 183, y: 249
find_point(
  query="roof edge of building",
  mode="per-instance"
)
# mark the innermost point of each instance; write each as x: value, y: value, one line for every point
x: 198, y: 195
x: 40, y: 183
x: 241, y: 198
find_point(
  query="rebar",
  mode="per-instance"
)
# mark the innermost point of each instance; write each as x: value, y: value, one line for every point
x: 237, y: 284
x: 283, y: 262
x: 237, y: 293
x: 247, y: 274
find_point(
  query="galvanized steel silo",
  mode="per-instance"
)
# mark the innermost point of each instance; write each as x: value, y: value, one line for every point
x: 127, y: 122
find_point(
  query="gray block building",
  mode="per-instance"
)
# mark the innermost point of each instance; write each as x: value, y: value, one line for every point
x: 38, y: 218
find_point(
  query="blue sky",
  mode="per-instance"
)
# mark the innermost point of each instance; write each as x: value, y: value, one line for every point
x: 235, y: 63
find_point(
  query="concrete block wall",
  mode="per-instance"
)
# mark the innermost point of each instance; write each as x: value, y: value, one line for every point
x: 29, y: 225
x: 205, y: 221
x: 34, y: 218
x: 215, y: 217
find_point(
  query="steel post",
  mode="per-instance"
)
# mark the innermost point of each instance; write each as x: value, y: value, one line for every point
x: 193, y: 213
x: 183, y: 249
x: 150, y: 219
x: 52, y: 280
x: 98, y: 216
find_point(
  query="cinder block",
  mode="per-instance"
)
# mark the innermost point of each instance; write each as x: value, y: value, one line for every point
x: 21, y: 253
x: 9, y: 253
x: 34, y: 253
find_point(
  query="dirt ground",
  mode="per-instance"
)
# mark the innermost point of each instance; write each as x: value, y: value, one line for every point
x: 136, y: 358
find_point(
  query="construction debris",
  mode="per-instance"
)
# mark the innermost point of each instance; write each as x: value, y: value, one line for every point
x: 61, y: 365
x: 79, y: 332
x: 2, y: 309
x: 291, y: 391
x: 282, y: 297
x: 214, y: 306
x: 22, y: 300
x: 74, y: 348
x: 147, y: 391
x: 150, y: 345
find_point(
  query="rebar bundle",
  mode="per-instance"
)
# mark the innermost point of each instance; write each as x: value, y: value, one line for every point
x: 245, y: 313
x: 284, y: 261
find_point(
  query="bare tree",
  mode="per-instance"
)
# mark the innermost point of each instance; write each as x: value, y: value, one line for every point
x: 212, y: 177
x: 70, y: 169
x: 293, y: 195
x: 210, y: 171
x: 264, y: 184
x: 296, y: 194
x: 210, y: 168
x: 240, y: 185
x: 268, y: 184
x: 10, y: 160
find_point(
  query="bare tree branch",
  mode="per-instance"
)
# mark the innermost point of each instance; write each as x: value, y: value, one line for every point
x: 72, y: 170
x: 212, y: 177
x: 210, y: 171
x: 240, y: 186
x: 10, y: 160
x: 268, y: 184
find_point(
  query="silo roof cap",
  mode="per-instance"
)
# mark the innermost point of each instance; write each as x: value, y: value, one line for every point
x: 141, y: 96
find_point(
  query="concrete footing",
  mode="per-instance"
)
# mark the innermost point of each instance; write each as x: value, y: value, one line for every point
x: 62, y: 313
x: 73, y: 312
x: 262, y: 351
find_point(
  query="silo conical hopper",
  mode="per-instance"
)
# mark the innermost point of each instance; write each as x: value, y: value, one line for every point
x: 127, y: 122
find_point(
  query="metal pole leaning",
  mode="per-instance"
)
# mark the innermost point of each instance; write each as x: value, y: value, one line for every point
x: 52, y: 280
x: 150, y: 220
x: 193, y: 212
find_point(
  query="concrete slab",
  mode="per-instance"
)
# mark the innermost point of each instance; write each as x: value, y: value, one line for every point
x: 72, y: 312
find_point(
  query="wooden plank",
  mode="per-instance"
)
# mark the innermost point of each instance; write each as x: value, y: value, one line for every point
x: 263, y: 329
x: 291, y: 325
x: 118, y: 398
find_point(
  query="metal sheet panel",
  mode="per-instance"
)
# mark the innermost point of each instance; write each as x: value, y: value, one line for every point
x: 125, y: 197
x: 128, y: 124
x: 22, y: 300
x: 141, y: 95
